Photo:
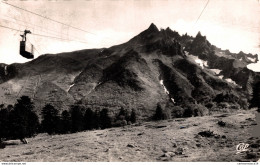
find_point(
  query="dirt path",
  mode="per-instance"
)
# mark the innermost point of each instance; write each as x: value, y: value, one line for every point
x: 172, y: 140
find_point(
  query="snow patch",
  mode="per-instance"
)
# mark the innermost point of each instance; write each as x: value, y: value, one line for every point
x: 202, y: 63
x: 95, y: 85
x: 161, y: 82
x: 165, y: 90
x: 72, y: 78
x: 251, y: 59
x: 231, y: 81
x: 221, y: 76
x: 198, y: 61
x: 205, y: 63
x: 240, y: 59
x: 216, y: 71
x: 70, y: 87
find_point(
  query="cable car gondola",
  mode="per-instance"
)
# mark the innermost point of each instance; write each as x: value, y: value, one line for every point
x: 23, y: 52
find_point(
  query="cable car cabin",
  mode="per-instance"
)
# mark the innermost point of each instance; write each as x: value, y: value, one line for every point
x: 24, y: 51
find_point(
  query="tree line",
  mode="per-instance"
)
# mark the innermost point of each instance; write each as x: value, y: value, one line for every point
x: 21, y: 121
x: 79, y: 118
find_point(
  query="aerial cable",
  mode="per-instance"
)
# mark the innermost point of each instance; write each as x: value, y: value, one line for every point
x: 202, y: 12
x: 40, y: 27
x: 51, y: 19
x: 41, y: 30
x: 10, y: 28
x: 57, y: 38
x: 48, y: 18
x: 43, y: 35
x: 26, y: 26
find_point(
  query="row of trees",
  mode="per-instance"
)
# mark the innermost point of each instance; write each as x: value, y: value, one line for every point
x: 75, y: 120
x: 79, y: 118
x: 21, y: 121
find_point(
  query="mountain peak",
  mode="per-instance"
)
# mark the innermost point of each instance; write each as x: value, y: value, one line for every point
x: 241, y: 52
x: 153, y: 28
x: 168, y: 29
x: 199, y: 34
x: 146, y: 34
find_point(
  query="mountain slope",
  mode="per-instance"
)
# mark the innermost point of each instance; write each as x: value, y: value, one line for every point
x: 154, y: 67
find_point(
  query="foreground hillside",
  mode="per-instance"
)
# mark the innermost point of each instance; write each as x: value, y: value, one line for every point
x: 169, y: 140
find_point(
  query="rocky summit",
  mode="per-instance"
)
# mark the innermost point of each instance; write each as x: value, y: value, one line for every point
x: 187, y: 76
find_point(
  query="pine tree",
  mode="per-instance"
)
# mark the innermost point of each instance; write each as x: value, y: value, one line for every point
x: 105, y: 120
x: 76, y: 112
x: 23, y: 120
x: 122, y: 112
x: 50, y: 122
x: 33, y: 124
x: 158, y: 113
x: 4, y: 122
x: 89, y: 119
x: 133, y: 116
x: 122, y: 115
x: 65, y: 122
x: 96, y: 120
x: 122, y: 118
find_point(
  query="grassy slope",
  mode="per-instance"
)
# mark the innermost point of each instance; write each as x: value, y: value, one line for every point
x: 146, y: 142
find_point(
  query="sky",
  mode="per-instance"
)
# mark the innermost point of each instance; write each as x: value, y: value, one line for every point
x: 228, y: 24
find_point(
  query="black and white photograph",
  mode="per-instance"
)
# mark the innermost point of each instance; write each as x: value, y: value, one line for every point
x: 130, y: 81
